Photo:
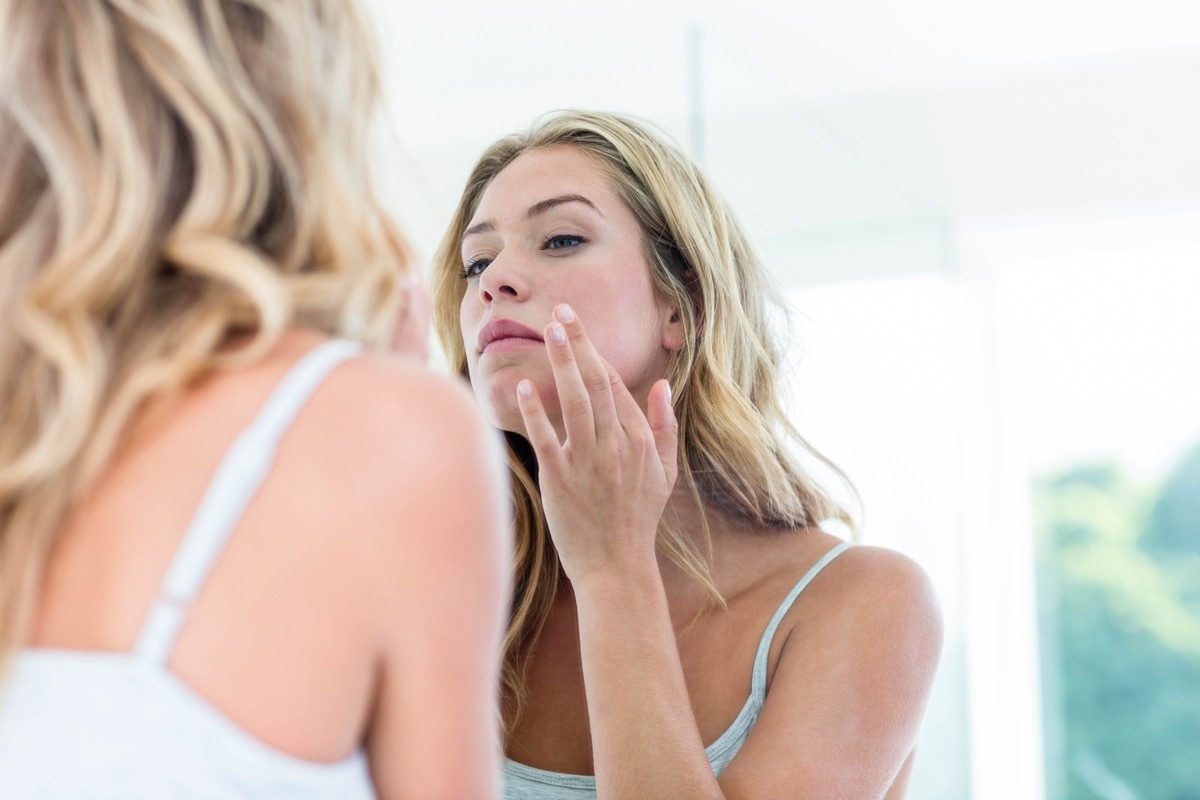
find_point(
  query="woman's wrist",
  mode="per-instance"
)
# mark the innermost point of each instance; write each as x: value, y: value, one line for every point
x: 617, y: 579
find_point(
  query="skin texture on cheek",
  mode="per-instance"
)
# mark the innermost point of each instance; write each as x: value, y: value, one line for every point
x: 632, y: 346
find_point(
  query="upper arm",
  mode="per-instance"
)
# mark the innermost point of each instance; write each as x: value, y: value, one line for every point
x: 845, y: 704
x: 437, y: 570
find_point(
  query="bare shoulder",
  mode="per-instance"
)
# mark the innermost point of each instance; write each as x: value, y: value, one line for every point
x: 407, y: 435
x: 416, y: 437
x: 421, y: 473
x: 881, y: 593
x: 860, y: 574
x: 428, y: 546
x: 852, y: 673
x: 867, y: 575
x: 393, y: 405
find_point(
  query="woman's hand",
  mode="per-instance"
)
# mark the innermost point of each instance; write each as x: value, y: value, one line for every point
x: 604, y: 487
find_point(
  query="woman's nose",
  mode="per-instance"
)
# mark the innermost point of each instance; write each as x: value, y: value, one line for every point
x: 502, y: 278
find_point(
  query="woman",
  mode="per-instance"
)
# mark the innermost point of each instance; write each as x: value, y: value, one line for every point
x: 681, y: 626
x: 235, y: 558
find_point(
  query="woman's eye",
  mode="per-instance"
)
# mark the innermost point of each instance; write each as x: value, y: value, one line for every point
x: 475, y: 267
x: 563, y: 241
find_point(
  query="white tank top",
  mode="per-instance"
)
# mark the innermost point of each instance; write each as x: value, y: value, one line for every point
x: 86, y: 724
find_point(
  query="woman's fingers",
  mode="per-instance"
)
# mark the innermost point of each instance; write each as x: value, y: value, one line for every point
x: 661, y: 415
x: 540, y: 432
x: 594, y: 402
x: 585, y: 389
x: 605, y: 486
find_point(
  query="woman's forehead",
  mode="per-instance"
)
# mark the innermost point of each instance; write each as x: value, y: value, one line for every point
x: 542, y: 173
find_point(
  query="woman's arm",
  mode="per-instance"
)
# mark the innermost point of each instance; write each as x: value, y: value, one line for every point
x: 604, y: 488
x: 438, y: 570
x: 645, y: 741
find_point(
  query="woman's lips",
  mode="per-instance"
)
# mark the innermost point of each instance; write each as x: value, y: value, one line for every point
x: 504, y: 335
x: 510, y: 343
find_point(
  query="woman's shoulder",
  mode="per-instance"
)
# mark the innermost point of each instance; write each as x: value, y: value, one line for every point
x: 396, y: 393
x: 414, y: 471
x: 410, y: 433
x: 826, y: 583
x: 383, y: 443
x: 427, y: 474
x: 362, y: 392
x: 411, y: 423
x: 872, y: 572
x: 883, y: 594
x: 837, y: 568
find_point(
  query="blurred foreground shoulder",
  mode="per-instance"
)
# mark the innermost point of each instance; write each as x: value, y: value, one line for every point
x: 413, y: 424
x: 426, y: 469
x: 433, y: 497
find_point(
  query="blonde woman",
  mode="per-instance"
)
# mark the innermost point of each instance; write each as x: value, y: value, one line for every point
x: 681, y: 626
x: 244, y: 553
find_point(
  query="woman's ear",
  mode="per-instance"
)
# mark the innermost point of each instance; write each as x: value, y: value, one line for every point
x: 674, y: 334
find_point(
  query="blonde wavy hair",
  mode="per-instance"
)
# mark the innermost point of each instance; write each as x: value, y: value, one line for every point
x: 738, y: 450
x: 175, y: 176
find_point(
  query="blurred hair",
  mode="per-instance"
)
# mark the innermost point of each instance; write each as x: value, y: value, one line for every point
x: 176, y: 177
x: 737, y: 448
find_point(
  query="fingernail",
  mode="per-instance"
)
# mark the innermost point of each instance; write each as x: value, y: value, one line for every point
x: 525, y: 389
x: 558, y: 333
x: 565, y: 313
x: 668, y: 394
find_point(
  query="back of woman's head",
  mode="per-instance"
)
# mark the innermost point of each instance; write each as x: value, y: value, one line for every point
x: 175, y: 175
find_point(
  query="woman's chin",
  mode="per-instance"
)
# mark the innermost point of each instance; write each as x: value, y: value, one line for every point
x: 499, y: 404
x: 508, y: 422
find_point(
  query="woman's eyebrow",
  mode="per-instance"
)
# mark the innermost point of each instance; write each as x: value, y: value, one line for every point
x: 546, y: 205
x: 540, y: 207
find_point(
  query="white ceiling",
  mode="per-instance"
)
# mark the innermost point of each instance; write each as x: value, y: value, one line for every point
x: 822, y: 120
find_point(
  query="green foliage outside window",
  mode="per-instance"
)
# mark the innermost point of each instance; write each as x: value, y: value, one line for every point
x: 1119, y: 600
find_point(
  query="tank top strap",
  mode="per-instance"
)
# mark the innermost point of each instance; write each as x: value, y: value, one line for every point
x: 237, y: 479
x: 758, y: 681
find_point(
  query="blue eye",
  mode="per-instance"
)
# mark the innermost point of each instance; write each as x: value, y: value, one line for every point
x: 563, y: 241
x: 475, y: 268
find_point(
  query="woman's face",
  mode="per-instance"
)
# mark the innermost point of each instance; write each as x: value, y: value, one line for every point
x: 550, y: 229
